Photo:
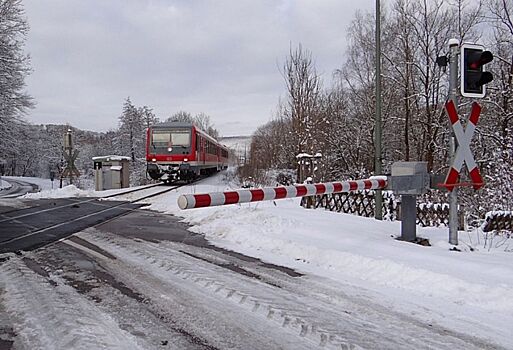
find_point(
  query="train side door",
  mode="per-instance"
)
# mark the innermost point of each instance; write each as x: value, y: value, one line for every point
x: 197, y: 147
x: 202, y: 150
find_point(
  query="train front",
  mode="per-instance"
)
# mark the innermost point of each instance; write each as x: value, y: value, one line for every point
x: 170, y: 151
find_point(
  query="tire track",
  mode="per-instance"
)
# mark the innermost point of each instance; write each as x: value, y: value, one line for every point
x: 315, y: 320
x: 54, y: 316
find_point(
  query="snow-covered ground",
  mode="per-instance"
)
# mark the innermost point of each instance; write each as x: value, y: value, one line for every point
x: 43, y: 184
x: 4, y: 185
x: 468, y: 291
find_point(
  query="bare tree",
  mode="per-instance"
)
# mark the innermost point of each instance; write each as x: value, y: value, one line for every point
x: 181, y: 116
x: 204, y: 122
x: 303, y: 87
x: 201, y: 120
x: 355, y: 126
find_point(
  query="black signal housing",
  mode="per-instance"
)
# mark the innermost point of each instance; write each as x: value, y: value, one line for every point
x: 473, y: 76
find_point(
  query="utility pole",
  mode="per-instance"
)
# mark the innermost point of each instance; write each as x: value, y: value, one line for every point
x: 453, y: 86
x: 378, y: 213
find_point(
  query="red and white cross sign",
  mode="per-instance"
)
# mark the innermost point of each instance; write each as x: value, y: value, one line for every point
x: 463, y: 153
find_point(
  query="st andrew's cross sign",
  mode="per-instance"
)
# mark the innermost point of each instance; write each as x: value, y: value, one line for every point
x: 463, y: 153
x: 70, y: 168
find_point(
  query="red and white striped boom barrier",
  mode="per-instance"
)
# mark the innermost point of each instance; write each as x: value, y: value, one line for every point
x: 189, y: 201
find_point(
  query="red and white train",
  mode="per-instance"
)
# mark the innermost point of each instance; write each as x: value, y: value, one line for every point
x: 181, y: 151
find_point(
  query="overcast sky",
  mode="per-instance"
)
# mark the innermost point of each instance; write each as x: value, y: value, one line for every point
x: 219, y: 57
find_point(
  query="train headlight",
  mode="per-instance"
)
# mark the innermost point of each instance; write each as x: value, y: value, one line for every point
x: 169, y: 149
x: 153, y: 159
x: 185, y: 159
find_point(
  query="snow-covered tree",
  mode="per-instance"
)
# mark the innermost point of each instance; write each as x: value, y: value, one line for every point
x: 14, y: 67
x: 149, y: 118
x: 130, y: 138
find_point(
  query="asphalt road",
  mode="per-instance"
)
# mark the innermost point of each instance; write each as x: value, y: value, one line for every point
x: 43, y: 221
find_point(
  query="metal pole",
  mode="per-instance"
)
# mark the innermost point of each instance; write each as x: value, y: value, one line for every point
x: 453, y: 86
x: 378, y: 211
x: 70, y: 165
x: 408, y: 217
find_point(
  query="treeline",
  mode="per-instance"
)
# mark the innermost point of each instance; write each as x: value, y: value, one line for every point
x: 40, y: 147
x: 338, y: 121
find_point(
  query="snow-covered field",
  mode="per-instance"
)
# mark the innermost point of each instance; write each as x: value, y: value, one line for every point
x: 468, y: 291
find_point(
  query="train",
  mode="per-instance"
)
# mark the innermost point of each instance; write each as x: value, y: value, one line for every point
x: 178, y: 151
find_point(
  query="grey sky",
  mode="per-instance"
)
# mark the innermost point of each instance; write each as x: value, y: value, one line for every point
x: 219, y: 57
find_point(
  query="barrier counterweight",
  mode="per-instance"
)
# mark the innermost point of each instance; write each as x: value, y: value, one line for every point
x: 189, y: 201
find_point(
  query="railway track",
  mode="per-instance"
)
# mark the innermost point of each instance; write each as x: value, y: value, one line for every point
x: 54, y: 219
x: 140, y: 195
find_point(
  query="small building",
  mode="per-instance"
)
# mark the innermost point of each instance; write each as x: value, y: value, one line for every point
x: 111, y: 172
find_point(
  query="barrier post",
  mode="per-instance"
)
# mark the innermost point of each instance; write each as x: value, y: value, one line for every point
x: 409, y: 179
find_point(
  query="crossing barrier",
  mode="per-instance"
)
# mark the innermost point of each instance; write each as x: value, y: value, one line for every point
x: 190, y: 201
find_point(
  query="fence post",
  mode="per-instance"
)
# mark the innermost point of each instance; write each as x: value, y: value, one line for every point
x: 461, y: 217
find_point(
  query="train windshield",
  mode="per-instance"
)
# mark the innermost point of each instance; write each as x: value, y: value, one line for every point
x: 173, y: 137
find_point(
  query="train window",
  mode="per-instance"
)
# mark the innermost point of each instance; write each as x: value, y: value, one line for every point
x: 173, y: 137
x: 161, y: 138
x: 180, y: 137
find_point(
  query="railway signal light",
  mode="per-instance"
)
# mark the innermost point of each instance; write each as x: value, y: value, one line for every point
x: 473, y: 76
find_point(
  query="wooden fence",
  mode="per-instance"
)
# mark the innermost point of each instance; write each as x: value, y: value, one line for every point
x: 498, y: 221
x: 362, y: 203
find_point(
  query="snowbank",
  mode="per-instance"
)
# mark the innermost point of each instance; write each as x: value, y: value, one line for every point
x: 4, y: 185
x: 65, y: 192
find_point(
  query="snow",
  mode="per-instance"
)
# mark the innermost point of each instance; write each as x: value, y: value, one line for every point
x: 460, y: 289
x: 4, y: 185
x: 65, y: 192
x: 43, y: 184
x: 307, y: 155
x: 110, y: 158
x: 470, y: 290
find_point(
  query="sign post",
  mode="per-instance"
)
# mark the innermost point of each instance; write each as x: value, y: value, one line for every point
x: 52, y: 177
x: 463, y: 155
x: 453, y: 87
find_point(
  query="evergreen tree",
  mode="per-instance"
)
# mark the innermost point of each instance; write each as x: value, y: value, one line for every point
x: 130, y: 138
